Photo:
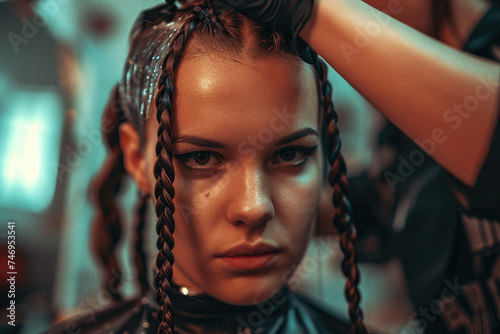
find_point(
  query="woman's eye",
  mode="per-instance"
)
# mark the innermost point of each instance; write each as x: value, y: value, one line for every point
x: 198, y: 160
x: 288, y: 155
x: 201, y: 158
x: 294, y: 156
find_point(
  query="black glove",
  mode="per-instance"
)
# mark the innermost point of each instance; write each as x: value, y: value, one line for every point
x: 286, y: 16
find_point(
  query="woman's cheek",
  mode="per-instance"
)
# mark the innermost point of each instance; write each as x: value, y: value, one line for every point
x: 199, y: 199
x: 300, y: 201
x: 305, y: 188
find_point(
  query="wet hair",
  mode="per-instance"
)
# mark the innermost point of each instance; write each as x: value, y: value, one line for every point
x: 159, y: 40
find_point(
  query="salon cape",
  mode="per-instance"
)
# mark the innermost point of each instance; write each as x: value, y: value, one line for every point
x: 284, y: 313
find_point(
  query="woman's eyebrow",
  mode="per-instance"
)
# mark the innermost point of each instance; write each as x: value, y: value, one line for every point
x: 197, y: 141
x: 203, y: 142
x: 296, y: 135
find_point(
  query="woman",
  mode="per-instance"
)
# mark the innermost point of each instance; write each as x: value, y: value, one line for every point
x: 249, y: 129
x: 447, y: 102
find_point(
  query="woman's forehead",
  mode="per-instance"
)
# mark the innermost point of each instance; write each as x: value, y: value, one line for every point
x: 219, y: 91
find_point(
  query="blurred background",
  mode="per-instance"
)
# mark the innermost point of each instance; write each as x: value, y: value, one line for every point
x: 58, y: 62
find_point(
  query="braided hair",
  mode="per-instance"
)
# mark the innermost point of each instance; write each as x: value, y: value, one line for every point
x: 160, y: 38
x: 342, y: 209
x: 106, y: 225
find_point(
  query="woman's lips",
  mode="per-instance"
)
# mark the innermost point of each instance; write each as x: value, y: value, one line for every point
x: 248, y: 262
x: 247, y: 257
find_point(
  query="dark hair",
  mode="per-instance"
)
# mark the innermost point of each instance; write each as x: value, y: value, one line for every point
x: 201, y: 26
x: 106, y: 225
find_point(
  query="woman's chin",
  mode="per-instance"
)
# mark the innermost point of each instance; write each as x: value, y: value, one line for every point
x: 246, y: 293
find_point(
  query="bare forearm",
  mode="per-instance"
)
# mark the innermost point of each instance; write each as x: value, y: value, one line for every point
x: 431, y: 92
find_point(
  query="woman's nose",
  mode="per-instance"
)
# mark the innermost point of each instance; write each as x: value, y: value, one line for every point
x: 250, y: 199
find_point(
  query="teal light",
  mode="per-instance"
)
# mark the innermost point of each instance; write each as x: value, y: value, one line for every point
x: 30, y: 134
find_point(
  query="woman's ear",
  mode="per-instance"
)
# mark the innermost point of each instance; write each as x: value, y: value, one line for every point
x: 133, y: 159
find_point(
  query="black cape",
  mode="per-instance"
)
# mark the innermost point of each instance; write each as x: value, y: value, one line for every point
x: 284, y: 313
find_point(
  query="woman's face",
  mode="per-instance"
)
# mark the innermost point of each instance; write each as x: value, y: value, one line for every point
x: 249, y: 173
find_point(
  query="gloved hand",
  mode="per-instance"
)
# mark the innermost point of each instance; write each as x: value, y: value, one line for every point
x: 286, y: 16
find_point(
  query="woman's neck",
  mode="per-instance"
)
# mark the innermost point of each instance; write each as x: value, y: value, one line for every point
x: 465, y: 15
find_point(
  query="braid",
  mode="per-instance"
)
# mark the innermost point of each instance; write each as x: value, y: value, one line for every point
x: 164, y: 175
x: 106, y: 226
x: 140, y: 255
x: 342, y: 209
